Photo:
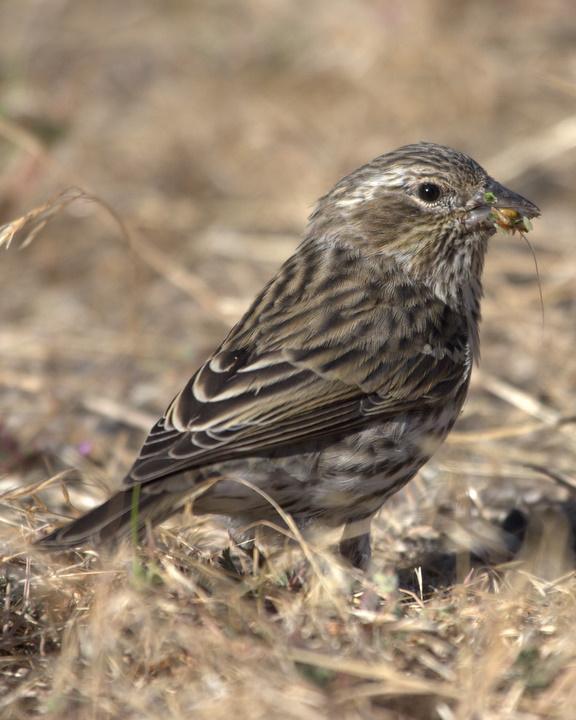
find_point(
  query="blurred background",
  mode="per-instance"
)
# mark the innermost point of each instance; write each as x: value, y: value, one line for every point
x: 210, y: 128
x: 206, y: 130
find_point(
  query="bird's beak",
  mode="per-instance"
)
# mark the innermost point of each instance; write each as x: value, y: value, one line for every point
x: 495, y: 197
x: 505, y: 199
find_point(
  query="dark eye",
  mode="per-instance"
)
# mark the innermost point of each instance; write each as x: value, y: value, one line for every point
x: 429, y: 192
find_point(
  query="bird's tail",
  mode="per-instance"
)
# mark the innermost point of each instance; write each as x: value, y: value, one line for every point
x: 126, y: 513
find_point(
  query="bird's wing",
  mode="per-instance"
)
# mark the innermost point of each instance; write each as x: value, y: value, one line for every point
x: 323, y: 350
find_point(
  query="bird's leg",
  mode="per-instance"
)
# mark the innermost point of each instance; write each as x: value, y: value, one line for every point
x: 247, y: 543
x: 355, y: 544
x: 356, y: 549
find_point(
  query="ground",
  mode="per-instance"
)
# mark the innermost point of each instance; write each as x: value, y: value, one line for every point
x: 200, y: 134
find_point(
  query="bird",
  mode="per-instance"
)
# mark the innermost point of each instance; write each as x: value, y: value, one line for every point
x: 345, y: 374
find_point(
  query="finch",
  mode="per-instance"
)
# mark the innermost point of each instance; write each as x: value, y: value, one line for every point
x: 346, y: 373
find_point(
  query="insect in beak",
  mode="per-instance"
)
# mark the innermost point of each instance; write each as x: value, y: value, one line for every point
x: 511, y: 220
x: 497, y: 206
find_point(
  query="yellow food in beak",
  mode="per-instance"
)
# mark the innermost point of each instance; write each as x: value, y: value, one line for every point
x: 511, y: 220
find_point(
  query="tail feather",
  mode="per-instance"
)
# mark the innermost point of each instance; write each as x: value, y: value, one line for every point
x: 126, y: 512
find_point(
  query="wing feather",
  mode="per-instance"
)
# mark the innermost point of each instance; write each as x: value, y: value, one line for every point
x: 304, y: 366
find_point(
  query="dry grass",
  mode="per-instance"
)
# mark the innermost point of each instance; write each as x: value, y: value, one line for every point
x: 206, y: 130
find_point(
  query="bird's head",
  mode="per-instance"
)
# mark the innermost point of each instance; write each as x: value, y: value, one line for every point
x: 428, y: 208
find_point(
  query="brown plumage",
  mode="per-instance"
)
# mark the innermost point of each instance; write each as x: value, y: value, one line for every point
x: 348, y: 370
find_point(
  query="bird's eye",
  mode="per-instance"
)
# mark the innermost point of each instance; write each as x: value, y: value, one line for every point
x: 429, y: 192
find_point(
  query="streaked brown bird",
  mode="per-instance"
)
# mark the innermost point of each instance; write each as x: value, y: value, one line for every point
x: 348, y: 370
